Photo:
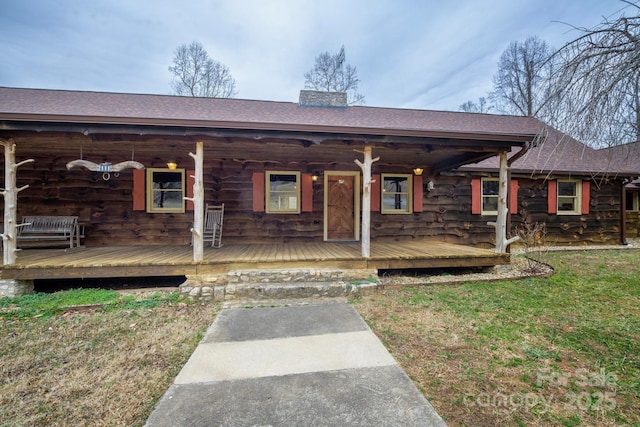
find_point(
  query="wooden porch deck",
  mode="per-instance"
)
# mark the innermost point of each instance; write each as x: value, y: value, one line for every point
x: 147, y: 261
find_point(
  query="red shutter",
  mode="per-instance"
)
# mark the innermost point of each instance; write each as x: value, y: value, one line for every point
x: 513, y: 196
x: 476, y: 196
x: 375, y: 193
x: 417, y: 194
x: 190, y: 182
x: 138, y: 189
x: 307, y: 192
x: 552, y: 197
x: 586, y: 194
x: 258, y: 191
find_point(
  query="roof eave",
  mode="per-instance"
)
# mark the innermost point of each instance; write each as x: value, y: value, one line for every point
x: 507, y: 138
x: 549, y: 172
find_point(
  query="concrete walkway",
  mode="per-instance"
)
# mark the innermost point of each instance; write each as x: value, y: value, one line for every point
x: 313, y: 365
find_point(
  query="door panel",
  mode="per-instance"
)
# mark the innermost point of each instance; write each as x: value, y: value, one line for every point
x: 340, y: 203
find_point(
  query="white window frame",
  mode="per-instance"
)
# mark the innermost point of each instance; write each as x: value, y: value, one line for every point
x: 486, y: 196
x: 289, y: 200
x: 151, y: 191
x: 577, y: 206
x: 408, y: 193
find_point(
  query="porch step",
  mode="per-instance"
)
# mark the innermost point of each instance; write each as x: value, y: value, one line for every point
x: 275, y: 291
x: 273, y: 284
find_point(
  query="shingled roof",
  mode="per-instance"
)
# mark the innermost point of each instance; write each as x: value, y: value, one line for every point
x: 562, y: 154
x: 624, y: 155
x: 39, y: 105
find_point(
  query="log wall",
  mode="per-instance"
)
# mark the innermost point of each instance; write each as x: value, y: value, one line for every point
x: 600, y: 226
x: 105, y: 207
x: 447, y: 215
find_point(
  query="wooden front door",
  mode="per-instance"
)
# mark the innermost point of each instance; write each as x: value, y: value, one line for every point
x: 342, y: 205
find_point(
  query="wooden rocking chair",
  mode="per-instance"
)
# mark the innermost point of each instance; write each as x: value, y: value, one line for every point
x: 213, y: 219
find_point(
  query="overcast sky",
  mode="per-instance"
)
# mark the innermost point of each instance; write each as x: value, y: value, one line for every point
x: 423, y: 54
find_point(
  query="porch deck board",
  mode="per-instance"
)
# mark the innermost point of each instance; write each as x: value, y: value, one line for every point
x: 304, y: 252
x: 113, y: 261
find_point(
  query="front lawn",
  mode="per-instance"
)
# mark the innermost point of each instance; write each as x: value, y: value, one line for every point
x: 563, y: 350
x: 104, y: 363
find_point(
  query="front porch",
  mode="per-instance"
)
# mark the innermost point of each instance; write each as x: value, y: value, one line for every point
x: 149, y: 261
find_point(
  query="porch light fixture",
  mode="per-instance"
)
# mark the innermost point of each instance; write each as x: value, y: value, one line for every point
x: 418, y: 171
x: 171, y: 164
x: 314, y: 177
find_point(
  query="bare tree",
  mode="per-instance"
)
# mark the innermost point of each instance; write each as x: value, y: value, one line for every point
x: 480, y: 107
x: 331, y: 73
x: 521, y: 85
x: 195, y: 74
x: 600, y: 81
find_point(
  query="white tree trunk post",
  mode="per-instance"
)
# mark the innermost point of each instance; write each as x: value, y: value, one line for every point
x: 198, y: 204
x: 503, y: 209
x: 366, y: 199
x: 10, y: 194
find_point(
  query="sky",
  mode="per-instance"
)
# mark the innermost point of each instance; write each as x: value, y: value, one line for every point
x: 423, y: 54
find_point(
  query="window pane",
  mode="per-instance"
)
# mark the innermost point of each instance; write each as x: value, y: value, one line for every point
x: 566, y: 188
x: 395, y: 201
x: 283, y: 202
x: 490, y: 204
x: 167, y: 199
x: 167, y: 180
x: 396, y: 184
x: 282, y: 182
x: 566, y: 204
x: 630, y: 206
x: 490, y: 188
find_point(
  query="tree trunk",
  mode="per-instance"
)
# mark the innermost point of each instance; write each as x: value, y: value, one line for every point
x: 10, y: 194
x: 502, y: 243
x: 198, y: 204
x: 366, y: 200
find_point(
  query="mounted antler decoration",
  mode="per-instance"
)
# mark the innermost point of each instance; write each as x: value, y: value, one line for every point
x: 106, y: 168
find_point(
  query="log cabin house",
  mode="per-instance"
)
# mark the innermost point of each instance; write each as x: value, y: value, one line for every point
x: 292, y: 177
x: 576, y: 191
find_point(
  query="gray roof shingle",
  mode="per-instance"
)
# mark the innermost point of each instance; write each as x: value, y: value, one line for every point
x: 562, y: 154
x: 121, y: 108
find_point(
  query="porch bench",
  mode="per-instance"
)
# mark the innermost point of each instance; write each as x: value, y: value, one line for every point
x: 51, y: 230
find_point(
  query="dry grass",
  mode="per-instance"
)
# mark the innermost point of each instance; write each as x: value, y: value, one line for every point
x: 432, y: 348
x: 98, y: 368
x: 529, y: 352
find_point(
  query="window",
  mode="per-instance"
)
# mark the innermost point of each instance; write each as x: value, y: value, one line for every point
x: 165, y: 190
x: 490, y: 189
x: 397, y: 193
x: 569, y: 197
x: 485, y: 196
x: 632, y: 201
x: 283, y: 192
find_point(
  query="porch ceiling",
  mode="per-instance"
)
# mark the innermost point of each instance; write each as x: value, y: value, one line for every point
x: 443, y: 153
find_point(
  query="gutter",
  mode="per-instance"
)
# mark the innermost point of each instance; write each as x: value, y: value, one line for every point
x: 539, y: 139
x: 525, y: 148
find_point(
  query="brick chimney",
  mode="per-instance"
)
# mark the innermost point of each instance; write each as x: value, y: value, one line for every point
x: 316, y: 98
